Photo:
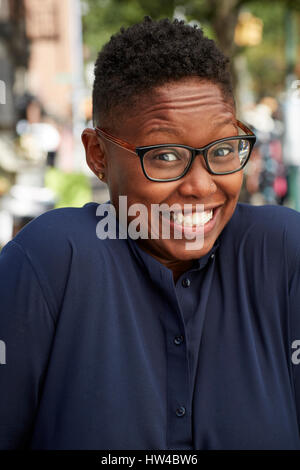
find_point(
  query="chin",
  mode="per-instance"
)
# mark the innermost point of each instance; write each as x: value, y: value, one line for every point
x: 186, y: 255
x: 179, y: 252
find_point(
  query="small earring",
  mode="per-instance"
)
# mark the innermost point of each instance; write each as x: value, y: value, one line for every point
x: 101, y: 175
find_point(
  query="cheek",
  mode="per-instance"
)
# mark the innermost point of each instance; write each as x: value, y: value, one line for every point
x: 122, y: 174
x: 126, y: 177
x: 231, y: 186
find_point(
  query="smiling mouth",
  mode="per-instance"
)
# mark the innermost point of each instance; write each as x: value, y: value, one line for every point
x: 196, y: 219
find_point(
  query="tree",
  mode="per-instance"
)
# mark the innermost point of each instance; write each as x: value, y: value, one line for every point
x: 218, y: 19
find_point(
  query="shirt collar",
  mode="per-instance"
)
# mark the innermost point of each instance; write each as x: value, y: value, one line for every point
x: 160, y: 273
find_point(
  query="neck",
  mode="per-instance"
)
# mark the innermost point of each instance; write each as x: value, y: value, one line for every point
x: 178, y: 267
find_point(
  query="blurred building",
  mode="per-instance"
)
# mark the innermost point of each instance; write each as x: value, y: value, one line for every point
x: 40, y: 53
x: 49, y: 30
x: 40, y: 61
x: 14, y: 56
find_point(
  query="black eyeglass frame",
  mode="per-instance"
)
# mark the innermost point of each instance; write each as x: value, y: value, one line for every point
x: 141, y: 151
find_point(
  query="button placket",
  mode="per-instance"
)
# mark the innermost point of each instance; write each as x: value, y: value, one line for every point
x: 178, y: 383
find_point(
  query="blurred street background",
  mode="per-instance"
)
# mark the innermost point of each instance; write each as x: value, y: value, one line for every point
x: 47, y: 54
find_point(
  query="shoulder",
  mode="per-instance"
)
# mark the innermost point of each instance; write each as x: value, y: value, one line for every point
x: 59, y: 222
x: 61, y: 234
x: 58, y: 229
x: 269, y: 219
x: 277, y: 216
x: 69, y: 236
x: 272, y: 231
x: 57, y: 244
x: 61, y: 249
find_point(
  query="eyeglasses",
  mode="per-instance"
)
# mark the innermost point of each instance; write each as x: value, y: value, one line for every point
x: 170, y: 162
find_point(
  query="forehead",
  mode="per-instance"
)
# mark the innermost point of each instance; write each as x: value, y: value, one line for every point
x: 179, y: 110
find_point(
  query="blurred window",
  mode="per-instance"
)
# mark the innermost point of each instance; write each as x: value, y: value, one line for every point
x: 4, y: 10
x: 41, y: 19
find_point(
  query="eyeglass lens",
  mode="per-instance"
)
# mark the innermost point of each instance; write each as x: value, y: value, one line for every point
x: 171, y: 162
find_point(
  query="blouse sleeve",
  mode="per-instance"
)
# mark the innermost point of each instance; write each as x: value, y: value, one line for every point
x: 26, y: 334
x: 294, y: 293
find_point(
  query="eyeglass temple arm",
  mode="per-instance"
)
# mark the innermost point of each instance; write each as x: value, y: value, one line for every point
x: 245, y: 128
x: 121, y: 143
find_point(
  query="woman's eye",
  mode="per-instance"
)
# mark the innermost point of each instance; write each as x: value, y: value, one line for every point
x: 222, y: 151
x: 166, y: 157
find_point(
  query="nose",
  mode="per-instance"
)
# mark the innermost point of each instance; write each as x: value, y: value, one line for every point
x: 198, y: 182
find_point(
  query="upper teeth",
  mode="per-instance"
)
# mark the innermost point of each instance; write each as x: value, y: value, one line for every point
x: 198, y: 218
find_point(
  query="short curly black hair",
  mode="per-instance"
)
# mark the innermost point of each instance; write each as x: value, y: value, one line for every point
x: 150, y: 54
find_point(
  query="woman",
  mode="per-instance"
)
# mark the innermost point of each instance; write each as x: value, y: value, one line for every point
x: 128, y: 341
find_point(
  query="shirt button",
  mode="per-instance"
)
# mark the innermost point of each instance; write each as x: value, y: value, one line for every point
x: 180, y: 411
x: 178, y: 339
x: 212, y: 256
x: 186, y: 282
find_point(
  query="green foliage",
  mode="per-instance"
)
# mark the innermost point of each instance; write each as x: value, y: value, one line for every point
x: 267, y: 61
x: 71, y: 189
x: 104, y: 18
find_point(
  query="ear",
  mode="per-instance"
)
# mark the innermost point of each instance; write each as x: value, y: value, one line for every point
x: 94, y: 151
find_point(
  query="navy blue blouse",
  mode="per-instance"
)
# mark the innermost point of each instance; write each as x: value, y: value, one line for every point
x: 105, y: 351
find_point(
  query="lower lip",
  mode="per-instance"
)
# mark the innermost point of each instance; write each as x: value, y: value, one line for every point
x: 205, y: 229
